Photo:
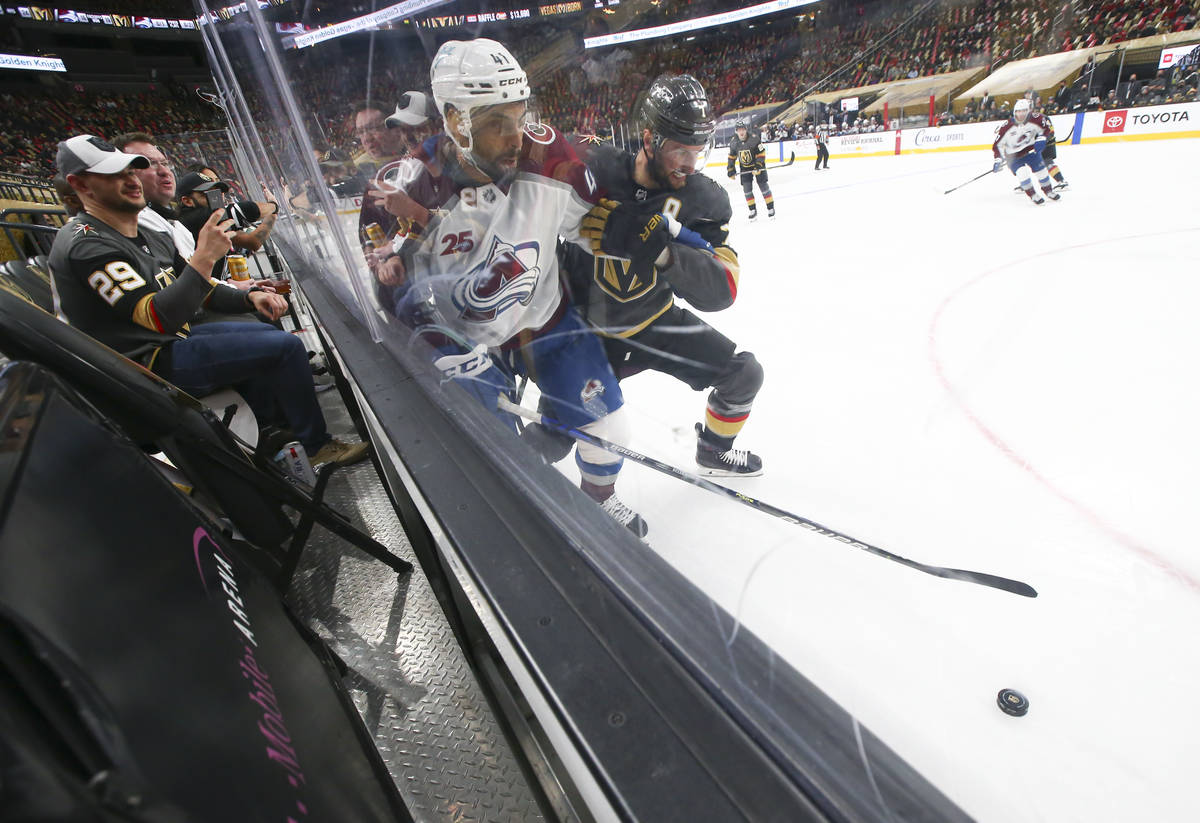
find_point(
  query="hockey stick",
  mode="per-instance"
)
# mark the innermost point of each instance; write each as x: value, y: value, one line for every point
x: 1002, y: 583
x: 791, y: 160
x: 972, y: 180
x: 1068, y: 137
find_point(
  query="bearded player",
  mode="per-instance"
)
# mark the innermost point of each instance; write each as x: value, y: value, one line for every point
x: 482, y: 258
x: 669, y: 236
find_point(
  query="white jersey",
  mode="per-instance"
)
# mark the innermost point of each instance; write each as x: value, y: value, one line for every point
x: 490, y: 257
x: 1015, y: 139
x: 185, y: 244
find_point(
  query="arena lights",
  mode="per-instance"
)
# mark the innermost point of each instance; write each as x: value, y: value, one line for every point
x: 28, y: 62
x: 671, y: 29
x: 368, y: 21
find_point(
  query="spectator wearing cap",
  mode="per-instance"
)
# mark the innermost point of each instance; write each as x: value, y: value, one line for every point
x: 413, y: 122
x: 130, y: 289
x: 202, y: 192
x: 340, y: 175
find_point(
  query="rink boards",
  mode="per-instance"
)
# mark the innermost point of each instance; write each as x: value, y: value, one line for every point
x: 1180, y: 120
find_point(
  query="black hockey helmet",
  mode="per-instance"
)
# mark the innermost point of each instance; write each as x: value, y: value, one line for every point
x: 740, y: 124
x: 675, y: 107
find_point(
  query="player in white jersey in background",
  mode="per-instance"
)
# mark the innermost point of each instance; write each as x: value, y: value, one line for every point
x: 485, y: 267
x: 1019, y: 143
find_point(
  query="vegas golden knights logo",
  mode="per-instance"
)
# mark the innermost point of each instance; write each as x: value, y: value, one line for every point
x: 613, y: 276
x: 747, y: 158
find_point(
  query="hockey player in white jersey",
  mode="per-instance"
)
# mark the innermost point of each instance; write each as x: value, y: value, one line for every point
x: 486, y: 265
x: 1019, y: 144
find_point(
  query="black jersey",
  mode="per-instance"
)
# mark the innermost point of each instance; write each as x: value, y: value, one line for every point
x: 619, y: 302
x: 750, y: 154
x: 135, y: 294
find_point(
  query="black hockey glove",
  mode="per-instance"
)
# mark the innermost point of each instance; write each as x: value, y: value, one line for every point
x: 619, y: 230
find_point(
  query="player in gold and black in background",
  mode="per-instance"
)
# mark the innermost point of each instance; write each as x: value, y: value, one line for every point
x: 750, y: 154
x: 661, y: 231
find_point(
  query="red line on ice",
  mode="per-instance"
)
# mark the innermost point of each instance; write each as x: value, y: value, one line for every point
x: 1011, y: 453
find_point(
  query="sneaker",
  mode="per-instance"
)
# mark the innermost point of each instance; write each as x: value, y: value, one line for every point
x: 624, y: 515
x: 714, y: 462
x: 341, y: 452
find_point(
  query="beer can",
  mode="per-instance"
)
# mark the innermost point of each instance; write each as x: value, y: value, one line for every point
x: 293, y: 459
x: 376, y: 235
x: 239, y: 269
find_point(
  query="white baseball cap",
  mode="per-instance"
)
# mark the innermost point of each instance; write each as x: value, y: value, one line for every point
x: 412, y: 110
x: 88, y: 153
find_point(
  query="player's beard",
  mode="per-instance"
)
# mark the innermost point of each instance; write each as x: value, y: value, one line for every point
x: 499, y: 173
x: 659, y: 176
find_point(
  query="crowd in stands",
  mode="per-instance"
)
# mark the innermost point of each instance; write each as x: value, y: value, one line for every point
x: 32, y: 122
x: 775, y: 60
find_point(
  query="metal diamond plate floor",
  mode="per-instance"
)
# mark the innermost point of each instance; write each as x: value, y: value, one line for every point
x: 408, y: 676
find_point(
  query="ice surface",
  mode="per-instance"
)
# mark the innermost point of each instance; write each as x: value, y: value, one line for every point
x: 970, y: 380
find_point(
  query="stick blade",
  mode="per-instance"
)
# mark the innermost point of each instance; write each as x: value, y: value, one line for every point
x: 984, y: 579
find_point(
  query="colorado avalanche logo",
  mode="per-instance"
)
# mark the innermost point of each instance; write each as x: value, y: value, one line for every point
x: 539, y: 133
x: 506, y: 278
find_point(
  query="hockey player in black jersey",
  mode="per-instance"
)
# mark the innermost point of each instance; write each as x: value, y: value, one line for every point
x: 662, y: 230
x: 752, y: 157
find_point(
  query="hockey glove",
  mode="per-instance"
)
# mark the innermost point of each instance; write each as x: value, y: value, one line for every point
x: 619, y: 230
x: 999, y: 164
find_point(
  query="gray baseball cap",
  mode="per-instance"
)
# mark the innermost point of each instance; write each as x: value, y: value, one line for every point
x: 86, y: 152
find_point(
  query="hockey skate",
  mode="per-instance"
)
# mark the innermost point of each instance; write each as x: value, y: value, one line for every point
x: 1051, y: 194
x: 717, y: 462
x: 624, y: 515
x: 1060, y: 186
x: 771, y: 212
x: 753, y: 214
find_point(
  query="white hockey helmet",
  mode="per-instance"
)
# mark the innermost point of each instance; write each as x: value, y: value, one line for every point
x: 467, y: 74
x: 1021, y: 110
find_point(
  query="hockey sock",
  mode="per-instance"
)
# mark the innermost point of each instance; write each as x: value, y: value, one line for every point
x: 769, y: 200
x: 720, y: 428
x: 1055, y: 172
x: 599, y: 467
x: 597, y: 491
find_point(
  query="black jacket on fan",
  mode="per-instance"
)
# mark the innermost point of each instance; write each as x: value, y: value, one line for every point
x: 750, y: 154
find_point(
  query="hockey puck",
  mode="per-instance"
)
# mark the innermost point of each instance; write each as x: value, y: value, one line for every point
x: 1012, y: 702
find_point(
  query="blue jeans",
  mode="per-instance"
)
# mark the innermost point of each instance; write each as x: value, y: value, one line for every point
x: 267, y: 366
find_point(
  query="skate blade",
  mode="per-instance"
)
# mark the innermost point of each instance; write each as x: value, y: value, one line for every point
x: 703, y: 471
